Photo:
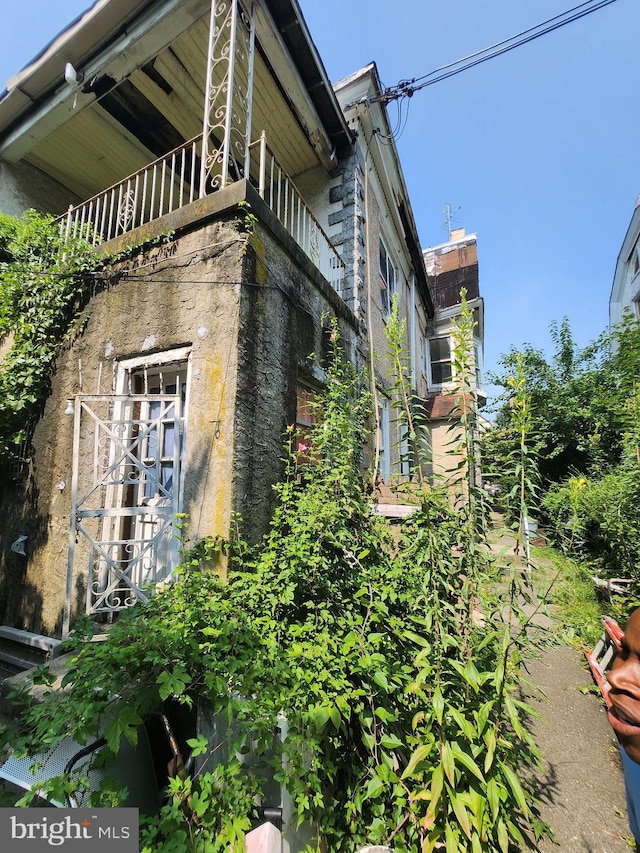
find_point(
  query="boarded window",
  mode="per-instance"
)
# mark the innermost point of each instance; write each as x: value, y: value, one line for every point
x: 307, y: 416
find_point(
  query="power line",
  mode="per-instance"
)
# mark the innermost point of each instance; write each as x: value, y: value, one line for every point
x: 407, y: 88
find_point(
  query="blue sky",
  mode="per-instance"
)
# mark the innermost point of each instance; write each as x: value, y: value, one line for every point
x: 539, y: 148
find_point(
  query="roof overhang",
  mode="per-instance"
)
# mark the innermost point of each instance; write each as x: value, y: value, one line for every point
x: 109, y: 39
x: 291, y: 25
x: 115, y: 37
x: 361, y: 97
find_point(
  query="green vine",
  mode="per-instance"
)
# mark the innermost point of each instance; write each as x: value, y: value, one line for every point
x: 383, y: 658
x: 44, y: 281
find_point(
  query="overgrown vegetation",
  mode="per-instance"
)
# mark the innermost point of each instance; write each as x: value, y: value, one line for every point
x: 572, y: 596
x: 478, y: 795
x: 46, y: 278
x: 391, y: 662
x: 585, y: 425
x: 43, y: 283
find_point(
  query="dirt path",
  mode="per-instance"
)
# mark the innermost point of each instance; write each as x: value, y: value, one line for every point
x: 581, y: 787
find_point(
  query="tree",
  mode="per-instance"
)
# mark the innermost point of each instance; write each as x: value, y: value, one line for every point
x: 577, y: 402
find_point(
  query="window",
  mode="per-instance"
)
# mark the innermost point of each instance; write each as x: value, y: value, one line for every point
x: 159, y: 445
x: 384, y: 440
x: 634, y: 261
x: 139, y: 441
x: 440, y: 361
x: 423, y: 357
x: 388, y: 280
x: 406, y: 456
x: 154, y: 381
x: 478, y: 358
x: 307, y: 416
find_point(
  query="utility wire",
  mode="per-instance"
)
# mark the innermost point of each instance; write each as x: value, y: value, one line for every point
x: 407, y: 88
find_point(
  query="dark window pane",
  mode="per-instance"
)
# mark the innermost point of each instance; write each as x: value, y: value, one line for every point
x: 168, y: 443
x: 439, y: 349
x: 440, y: 373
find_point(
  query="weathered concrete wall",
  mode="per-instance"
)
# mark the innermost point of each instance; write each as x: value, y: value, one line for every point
x: 182, y: 294
x: 23, y: 186
x: 249, y: 305
x: 281, y: 329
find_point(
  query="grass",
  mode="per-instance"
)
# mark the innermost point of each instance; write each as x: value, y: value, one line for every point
x: 572, y: 595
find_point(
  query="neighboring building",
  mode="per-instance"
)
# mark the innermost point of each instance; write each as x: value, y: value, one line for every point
x: 176, y: 394
x: 451, y: 267
x: 625, y: 292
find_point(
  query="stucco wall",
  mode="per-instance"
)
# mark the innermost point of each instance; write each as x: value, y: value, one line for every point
x: 281, y: 341
x: 249, y: 304
x: 23, y: 186
x: 446, y: 435
x: 185, y: 293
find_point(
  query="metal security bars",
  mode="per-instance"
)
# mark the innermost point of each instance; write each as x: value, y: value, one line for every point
x: 125, y: 498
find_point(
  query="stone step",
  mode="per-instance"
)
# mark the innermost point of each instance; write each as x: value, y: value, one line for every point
x: 21, y: 650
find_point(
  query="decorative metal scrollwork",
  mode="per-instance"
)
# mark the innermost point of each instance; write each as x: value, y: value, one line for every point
x: 228, y: 94
x: 125, y: 504
x: 126, y: 210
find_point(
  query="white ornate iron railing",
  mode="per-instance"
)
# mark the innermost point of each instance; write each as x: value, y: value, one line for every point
x: 172, y: 181
x: 124, y: 504
x: 285, y: 200
x: 163, y: 186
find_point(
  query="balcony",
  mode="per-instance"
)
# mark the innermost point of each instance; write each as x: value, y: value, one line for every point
x: 173, y: 181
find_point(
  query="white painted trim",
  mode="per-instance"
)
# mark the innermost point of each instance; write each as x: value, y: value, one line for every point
x: 150, y: 33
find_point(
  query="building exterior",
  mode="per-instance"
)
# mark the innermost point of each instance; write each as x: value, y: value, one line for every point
x: 213, y: 122
x: 451, y: 268
x: 625, y: 291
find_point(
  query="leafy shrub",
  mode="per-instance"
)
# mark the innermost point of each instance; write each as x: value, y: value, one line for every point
x: 598, y: 519
x: 392, y: 658
x: 42, y: 285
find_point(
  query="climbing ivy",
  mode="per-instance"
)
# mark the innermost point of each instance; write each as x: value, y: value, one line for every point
x: 44, y: 280
x: 386, y: 656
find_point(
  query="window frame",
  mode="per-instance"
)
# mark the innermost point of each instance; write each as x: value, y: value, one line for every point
x: 131, y: 372
x: 307, y: 418
x: 424, y: 356
x: 633, y: 260
x: 479, y: 365
x: 388, y: 282
x: 430, y: 362
x: 384, y: 439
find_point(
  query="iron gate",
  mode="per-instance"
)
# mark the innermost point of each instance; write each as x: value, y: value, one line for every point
x: 125, y: 498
